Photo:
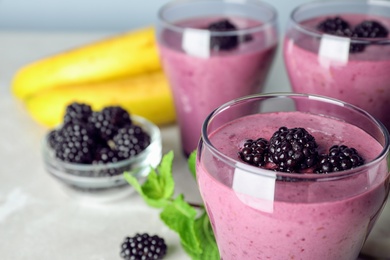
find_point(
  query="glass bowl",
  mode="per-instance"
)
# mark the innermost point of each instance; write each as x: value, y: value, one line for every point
x: 91, y: 181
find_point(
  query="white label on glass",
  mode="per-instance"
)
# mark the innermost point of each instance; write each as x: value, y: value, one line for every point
x: 196, y: 42
x: 334, y: 48
x: 255, y: 190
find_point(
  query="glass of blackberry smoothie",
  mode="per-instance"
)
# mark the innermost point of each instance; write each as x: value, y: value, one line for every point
x: 213, y: 51
x: 341, y: 49
x: 281, y: 182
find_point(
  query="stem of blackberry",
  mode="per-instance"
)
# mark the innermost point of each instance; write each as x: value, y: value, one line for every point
x: 195, y: 205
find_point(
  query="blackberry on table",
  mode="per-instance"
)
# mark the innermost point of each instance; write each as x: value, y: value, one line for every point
x: 109, y: 120
x: 339, y: 158
x: 143, y: 247
x: 75, y: 143
x: 77, y: 112
x: 255, y: 152
x: 130, y: 141
x: 223, y: 42
x: 293, y: 150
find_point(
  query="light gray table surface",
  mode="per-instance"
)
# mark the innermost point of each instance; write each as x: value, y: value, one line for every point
x: 39, y: 219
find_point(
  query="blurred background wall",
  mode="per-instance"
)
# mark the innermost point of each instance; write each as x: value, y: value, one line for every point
x: 96, y: 15
x: 112, y: 16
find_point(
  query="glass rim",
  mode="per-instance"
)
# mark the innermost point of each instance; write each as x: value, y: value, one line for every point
x: 317, y: 34
x: 272, y: 21
x: 235, y: 163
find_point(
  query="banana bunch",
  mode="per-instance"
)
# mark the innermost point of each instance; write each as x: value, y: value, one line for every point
x: 123, y: 70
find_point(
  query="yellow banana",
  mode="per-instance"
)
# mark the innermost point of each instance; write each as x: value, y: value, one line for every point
x: 119, y: 56
x: 146, y: 95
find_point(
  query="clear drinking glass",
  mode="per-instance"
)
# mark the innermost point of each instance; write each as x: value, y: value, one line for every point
x: 257, y: 213
x: 213, y: 51
x: 340, y: 59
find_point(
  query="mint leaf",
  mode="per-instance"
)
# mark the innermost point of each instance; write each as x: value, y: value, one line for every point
x: 196, y: 235
x: 180, y: 217
x: 206, y: 237
x: 192, y: 163
x: 159, y: 186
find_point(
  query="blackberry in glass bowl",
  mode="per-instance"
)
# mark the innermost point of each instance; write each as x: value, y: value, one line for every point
x: 91, y: 165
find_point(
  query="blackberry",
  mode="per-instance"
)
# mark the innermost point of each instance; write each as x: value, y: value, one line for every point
x: 357, y: 47
x: 370, y: 29
x: 75, y: 143
x: 335, y: 26
x: 367, y: 29
x: 109, y: 120
x: 338, y: 26
x: 105, y: 155
x: 77, y: 112
x: 255, y: 152
x: 130, y: 140
x: 293, y: 150
x: 54, y: 138
x: 223, y: 42
x: 143, y: 246
x: 339, y: 158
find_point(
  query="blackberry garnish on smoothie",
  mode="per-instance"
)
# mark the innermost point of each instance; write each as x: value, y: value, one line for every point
x: 370, y: 29
x: 255, y: 152
x: 295, y: 150
x: 223, y: 42
x: 339, y: 158
x: 335, y: 26
x: 366, y: 29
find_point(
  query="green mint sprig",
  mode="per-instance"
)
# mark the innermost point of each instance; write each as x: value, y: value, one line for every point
x: 188, y: 220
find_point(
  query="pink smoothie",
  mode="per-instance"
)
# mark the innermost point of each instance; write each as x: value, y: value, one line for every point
x: 201, y: 84
x: 362, y: 80
x: 304, y: 220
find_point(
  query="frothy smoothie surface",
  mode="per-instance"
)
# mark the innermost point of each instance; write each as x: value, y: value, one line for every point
x: 298, y: 219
